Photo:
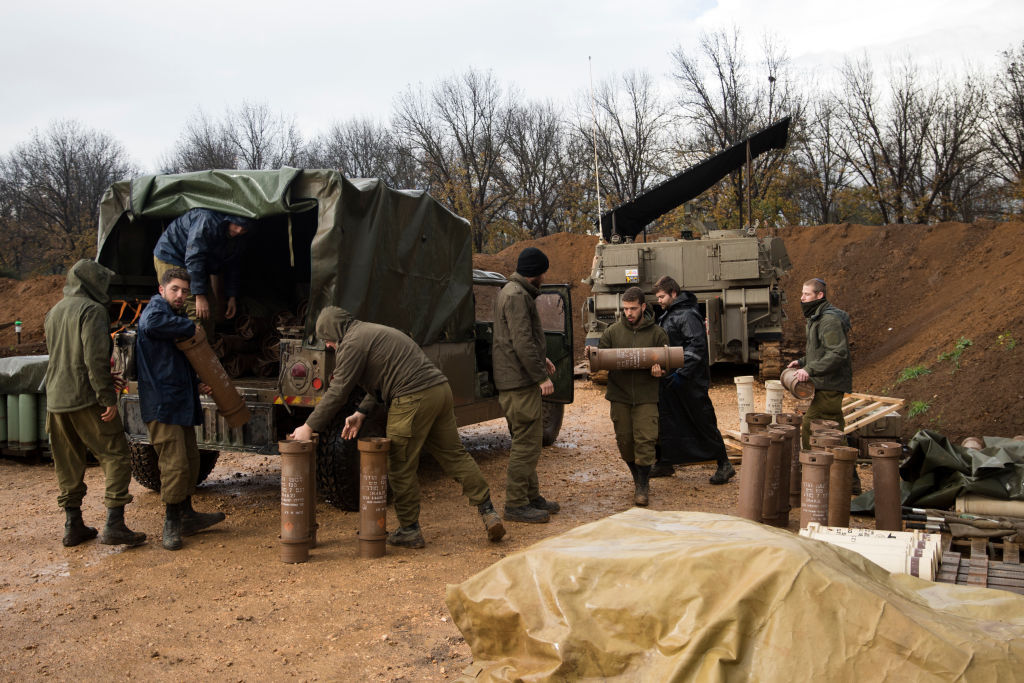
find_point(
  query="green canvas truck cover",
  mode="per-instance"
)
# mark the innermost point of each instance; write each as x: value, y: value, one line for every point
x: 394, y: 257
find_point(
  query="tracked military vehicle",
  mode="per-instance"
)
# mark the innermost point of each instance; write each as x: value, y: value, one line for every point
x: 734, y: 274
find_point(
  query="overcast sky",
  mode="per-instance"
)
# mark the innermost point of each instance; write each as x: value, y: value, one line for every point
x: 139, y: 70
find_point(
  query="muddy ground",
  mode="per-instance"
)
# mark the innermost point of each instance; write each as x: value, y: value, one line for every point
x: 226, y: 608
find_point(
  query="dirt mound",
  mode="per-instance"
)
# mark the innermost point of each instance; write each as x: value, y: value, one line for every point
x: 27, y: 301
x: 570, y: 257
x: 914, y: 292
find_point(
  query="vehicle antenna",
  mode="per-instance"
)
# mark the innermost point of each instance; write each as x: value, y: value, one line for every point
x: 593, y: 136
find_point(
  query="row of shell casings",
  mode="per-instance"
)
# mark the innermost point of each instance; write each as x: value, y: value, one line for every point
x: 23, y: 422
x: 765, y: 470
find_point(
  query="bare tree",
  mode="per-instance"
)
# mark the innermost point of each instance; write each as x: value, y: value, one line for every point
x: 203, y: 145
x: 631, y: 131
x: 251, y: 137
x: 363, y: 148
x: 456, y: 133
x: 53, y: 184
x: 725, y: 100
x: 824, y: 172
x: 1005, y: 129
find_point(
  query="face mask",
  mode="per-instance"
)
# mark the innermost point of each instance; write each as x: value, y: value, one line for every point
x: 810, y: 306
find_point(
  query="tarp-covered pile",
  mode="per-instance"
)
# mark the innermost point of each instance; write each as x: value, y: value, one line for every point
x: 688, y: 596
x: 23, y: 374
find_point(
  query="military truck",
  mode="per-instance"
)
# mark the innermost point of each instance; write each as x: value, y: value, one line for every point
x: 393, y: 257
x: 734, y: 274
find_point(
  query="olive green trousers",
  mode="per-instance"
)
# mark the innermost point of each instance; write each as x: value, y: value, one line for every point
x: 636, y: 431
x: 178, y: 459
x: 426, y: 420
x: 826, y: 405
x: 524, y: 413
x: 71, y: 434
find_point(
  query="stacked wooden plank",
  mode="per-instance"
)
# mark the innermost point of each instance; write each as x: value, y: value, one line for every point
x: 971, y: 565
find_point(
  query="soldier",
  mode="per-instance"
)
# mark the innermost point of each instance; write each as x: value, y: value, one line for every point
x: 81, y: 405
x: 204, y: 243
x: 391, y: 367
x: 521, y: 375
x: 689, y: 427
x: 827, y: 360
x: 633, y: 394
x: 169, y: 400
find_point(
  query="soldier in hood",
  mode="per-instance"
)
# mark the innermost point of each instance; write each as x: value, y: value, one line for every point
x: 392, y: 369
x: 81, y: 405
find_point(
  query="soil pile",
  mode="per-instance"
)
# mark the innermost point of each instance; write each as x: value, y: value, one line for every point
x: 27, y: 301
x: 914, y: 293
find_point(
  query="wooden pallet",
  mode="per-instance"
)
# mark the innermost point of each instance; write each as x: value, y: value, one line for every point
x: 863, y: 409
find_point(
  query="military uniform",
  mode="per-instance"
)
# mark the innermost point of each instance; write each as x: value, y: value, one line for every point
x: 827, y: 361
x: 393, y: 370
x: 79, y: 388
x: 519, y: 355
x: 633, y: 394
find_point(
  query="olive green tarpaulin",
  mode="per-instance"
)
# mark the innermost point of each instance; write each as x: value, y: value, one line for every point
x: 690, y: 596
x: 377, y: 252
x: 23, y: 374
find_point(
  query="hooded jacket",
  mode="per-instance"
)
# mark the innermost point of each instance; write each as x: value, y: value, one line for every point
x: 827, y: 360
x: 684, y: 324
x: 381, y: 360
x: 198, y: 241
x: 168, y: 386
x: 519, y: 350
x: 632, y: 386
x: 78, y: 338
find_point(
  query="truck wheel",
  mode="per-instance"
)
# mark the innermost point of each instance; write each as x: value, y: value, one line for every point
x: 552, y: 416
x: 337, y: 466
x: 144, y: 464
x: 145, y: 468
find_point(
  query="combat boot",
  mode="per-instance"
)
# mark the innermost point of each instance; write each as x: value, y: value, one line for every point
x: 116, y: 533
x: 407, y: 537
x: 723, y: 474
x: 642, y: 489
x: 526, y: 513
x: 193, y: 522
x: 550, y: 506
x: 495, y: 529
x: 662, y: 469
x: 172, y: 527
x: 75, y: 530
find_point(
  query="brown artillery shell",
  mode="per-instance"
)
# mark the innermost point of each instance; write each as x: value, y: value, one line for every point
x: 814, y: 487
x: 790, y: 435
x: 973, y: 442
x: 840, y: 482
x: 668, y: 357
x: 772, y: 477
x: 885, y: 469
x: 758, y: 422
x: 819, y: 425
x: 373, y: 495
x: 295, y: 538
x: 794, y: 420
x: 823, y: 442
x: 752, y: 474
x: 200, y: 355
x: 801, y: 390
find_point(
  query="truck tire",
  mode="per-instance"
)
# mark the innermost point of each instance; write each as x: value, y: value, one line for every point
x: 146, y: 471
x: 552, y: 417
x: 337, y: 466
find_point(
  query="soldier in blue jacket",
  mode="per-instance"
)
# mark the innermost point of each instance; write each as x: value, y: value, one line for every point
x: 169, y: 399
x: 205, y: 243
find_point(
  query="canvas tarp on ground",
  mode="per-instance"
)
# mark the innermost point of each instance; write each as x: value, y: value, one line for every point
x: 690, y: 596
x: 393, y: 257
